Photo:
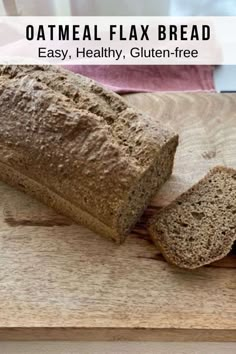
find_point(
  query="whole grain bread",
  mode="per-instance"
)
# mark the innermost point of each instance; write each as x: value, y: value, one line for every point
x: 80, y: 148
x: 199, y: 227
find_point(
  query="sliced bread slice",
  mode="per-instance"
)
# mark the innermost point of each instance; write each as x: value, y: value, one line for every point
x: 199, y: 227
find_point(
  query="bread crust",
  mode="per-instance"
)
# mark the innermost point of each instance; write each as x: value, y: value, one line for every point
x: 82, y: 143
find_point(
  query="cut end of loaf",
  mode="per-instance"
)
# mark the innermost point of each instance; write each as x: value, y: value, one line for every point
x: 146, y: 186
x: 200, y: 226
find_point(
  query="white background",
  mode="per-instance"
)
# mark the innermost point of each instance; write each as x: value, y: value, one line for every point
x: 219, y: 48
x: 119, y: 8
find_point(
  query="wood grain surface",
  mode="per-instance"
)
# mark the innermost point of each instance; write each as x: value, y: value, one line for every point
x: 59, y: 280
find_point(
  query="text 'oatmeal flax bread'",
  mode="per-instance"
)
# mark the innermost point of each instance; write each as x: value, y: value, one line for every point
x: 80, y: 148
x: 199, y: 227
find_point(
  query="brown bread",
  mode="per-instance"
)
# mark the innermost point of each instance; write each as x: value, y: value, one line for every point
x: 80, y: 148
x: 199, y: 227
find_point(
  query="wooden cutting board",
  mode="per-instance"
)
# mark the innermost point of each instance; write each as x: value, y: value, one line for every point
x: 59, y: 280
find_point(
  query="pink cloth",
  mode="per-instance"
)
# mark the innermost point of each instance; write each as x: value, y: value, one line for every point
x: 150, y: 78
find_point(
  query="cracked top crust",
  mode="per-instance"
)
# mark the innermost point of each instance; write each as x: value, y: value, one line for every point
x: 88, y: 139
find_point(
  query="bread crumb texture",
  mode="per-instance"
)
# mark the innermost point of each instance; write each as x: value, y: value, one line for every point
x: 199, y: 227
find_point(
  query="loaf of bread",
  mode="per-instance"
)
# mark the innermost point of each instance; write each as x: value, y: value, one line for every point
x: 200, y: 226
x: 80, y: 148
